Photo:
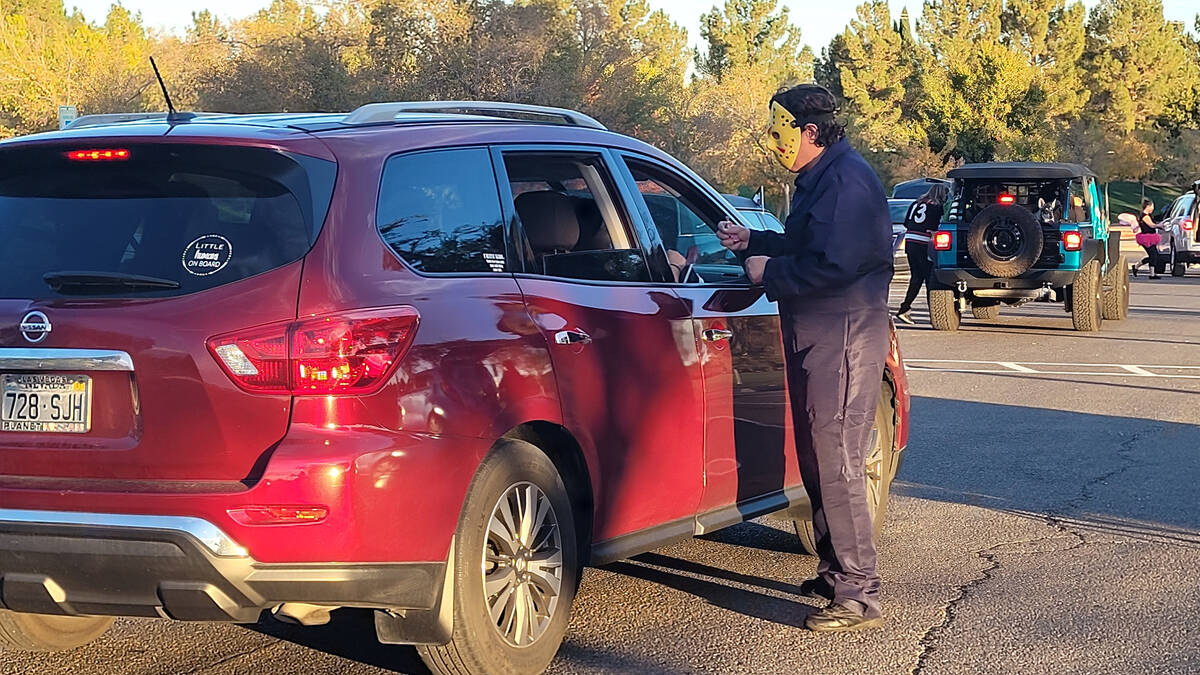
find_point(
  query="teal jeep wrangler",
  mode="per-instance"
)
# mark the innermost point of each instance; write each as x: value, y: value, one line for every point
x: 1024, y: 232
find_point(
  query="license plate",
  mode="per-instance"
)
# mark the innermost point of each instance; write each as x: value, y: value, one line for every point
x: 60, y: 404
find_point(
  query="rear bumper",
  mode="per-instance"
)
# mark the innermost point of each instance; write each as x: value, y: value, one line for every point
x: 184, y: 568
x: 1030, y: 280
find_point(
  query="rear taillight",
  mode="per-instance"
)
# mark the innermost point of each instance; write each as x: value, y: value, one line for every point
x: 942, y: 241
x: 1188, y: 225
x: 278, y: 515
x: 1006, y: 199
x: 351, y: 353
x: 1072, y: 241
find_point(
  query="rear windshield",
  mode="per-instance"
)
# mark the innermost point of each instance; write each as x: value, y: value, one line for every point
x: 153, y: 220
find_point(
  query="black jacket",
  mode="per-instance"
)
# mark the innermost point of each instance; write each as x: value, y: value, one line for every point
x: 835, y: 253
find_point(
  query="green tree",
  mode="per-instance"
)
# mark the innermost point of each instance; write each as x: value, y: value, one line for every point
x: 756, y: 32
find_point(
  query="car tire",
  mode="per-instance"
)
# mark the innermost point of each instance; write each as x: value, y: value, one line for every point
x: 881, y: 469
x: 943, y: 310
x: 49, y: 633
x: 1019, y: 229
x: 985, y: 312
x: 1086, y: 303
x: 1116, y: 291
x: 1178, y: 269
x: 515, y: 480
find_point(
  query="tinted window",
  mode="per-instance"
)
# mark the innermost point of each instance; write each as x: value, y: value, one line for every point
x: 899, y: 209
x: 190, y: 217
x: 684, y: 219
x: 572, y: 224
x: 440, y: 211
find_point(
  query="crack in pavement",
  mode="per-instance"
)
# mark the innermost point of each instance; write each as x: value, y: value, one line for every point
x: 1053, y: 518
x: 232, y: 657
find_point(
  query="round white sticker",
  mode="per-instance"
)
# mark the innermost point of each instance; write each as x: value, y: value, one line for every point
x: 207, y: 255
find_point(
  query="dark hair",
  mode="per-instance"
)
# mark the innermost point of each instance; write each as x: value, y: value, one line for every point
x: 938, y: 194
x: 1147, y: 202
x: 813, y: 104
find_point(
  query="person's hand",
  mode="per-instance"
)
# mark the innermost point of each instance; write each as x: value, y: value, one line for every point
x: 756, y: 266
x: 733, y: 236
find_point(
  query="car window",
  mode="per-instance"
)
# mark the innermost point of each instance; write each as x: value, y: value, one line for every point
x: 684, y: 218
x: 573, y: 226
x: 440, y: 211
x: 772, y: 223
x: 192, y: 217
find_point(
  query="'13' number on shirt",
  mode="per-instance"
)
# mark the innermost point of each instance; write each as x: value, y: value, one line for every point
x: 918, y: 212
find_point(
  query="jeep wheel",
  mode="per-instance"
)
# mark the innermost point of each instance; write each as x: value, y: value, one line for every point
x: 516, y: 568
x: 943, y: 310
x: 1086, y: 305
x: 985, y: 312
x: 880, y: 470
x: 1005, y: 240
x: 49, y: 633
x: 1116, y: 291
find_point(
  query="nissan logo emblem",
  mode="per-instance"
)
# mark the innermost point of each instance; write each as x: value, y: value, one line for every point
x: 35, y: 327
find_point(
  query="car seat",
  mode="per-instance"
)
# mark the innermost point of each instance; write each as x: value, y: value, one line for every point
x: 551, y: 223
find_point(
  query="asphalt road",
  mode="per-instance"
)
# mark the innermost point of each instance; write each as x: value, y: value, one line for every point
x: 1046, y: 521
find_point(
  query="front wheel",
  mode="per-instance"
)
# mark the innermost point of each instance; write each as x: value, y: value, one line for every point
x: 1116, y: 291
x: 516, y: 568
x: 49, y: 633
x: 880, y: 470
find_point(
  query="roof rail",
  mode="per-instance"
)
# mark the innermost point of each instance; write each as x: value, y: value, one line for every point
x: 104, y: 119
x: 374, y: 113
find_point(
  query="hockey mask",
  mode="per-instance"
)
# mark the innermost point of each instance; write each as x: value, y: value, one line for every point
x: 784, y: 136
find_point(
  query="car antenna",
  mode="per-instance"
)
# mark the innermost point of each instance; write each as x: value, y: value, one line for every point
x: 173, y: 116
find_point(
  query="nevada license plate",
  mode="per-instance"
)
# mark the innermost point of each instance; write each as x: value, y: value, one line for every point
x: 46, y: 403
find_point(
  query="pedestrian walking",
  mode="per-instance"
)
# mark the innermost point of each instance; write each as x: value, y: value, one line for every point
x: 1149, y: 238
x: 829, y: 271
x: 920, y: 223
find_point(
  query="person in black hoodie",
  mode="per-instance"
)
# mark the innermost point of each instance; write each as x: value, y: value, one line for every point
x: 920, y: 222
x: 829, y: 271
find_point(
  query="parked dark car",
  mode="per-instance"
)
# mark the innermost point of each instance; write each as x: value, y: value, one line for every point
x: 913, y: 189
x: 425, y: 359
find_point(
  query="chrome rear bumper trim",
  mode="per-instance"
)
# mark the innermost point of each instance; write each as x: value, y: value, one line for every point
x: 203, y: 531
x: 21, y: 358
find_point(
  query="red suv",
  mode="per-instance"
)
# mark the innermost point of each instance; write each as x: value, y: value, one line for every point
x: 426, y: 359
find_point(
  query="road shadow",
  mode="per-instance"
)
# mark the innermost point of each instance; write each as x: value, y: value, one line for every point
x: 746, y: 602
x: 755, y: 535
x: 350, y: 635
x: 1126, y: 474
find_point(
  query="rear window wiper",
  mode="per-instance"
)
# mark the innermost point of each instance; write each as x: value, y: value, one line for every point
x: 103, y: 281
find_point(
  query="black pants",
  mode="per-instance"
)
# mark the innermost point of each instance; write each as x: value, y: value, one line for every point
x: 835, y: 367
x: 919, y: 267
x: 1153, y: 257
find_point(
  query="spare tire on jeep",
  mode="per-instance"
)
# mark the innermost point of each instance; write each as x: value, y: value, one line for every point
x: 1004, y: 240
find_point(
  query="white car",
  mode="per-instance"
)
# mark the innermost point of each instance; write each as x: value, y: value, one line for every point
x: 1180, y: 245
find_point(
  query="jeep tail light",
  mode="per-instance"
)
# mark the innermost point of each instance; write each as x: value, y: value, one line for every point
x: 1006, y: 198
x: 1072, y: 241
x: 351, y: 353
x: 942, y: 241
x: 99, y: 155
x: 278, y: 515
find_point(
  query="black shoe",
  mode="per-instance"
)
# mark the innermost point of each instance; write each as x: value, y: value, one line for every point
x: 839, y: 619
x: 816, y: 588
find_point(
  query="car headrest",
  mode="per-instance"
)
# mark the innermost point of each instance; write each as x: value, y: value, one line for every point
x: 550, y: 221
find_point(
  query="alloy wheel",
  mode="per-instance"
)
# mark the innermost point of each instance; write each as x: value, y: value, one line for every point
x: 522, y: 564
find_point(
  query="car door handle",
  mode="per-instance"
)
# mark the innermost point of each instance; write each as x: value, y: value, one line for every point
x: 572, y: 337
x: 716, y: 334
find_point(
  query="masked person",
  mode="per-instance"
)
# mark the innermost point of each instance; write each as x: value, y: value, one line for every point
x: 829, y: 271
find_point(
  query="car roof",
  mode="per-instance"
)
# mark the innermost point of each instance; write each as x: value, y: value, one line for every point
x: 743, y: 203
x: 1021, y: 170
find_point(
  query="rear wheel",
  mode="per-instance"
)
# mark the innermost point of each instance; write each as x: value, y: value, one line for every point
x: 516, y: 568
x: 1116, y: 291
x: 1086, y: 305
x: 943, y: 310
x: 985, y: 312
x: 880, y: 470
x: 48, y: 633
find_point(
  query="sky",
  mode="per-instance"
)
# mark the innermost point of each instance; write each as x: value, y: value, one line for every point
x: 819, y: 20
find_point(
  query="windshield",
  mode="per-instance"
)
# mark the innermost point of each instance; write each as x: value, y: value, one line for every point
x: 187, y: 217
